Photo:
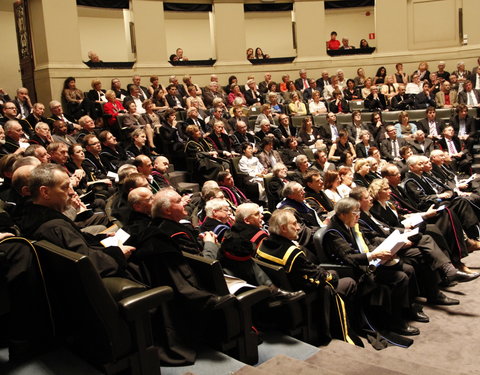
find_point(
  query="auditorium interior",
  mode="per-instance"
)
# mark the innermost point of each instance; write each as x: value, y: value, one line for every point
x: 170, y: 53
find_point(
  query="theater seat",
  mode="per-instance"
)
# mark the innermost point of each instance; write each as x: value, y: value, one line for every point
x: 107, y: 322
x: 343, y: 271
x: 239, y: 340
x: 293, y: 318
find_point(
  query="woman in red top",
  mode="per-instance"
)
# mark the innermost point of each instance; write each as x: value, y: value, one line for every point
x: 113, y: 107
x: 333, y: 43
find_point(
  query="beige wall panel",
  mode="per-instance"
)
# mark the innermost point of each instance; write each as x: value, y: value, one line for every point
x: 150, y: 38
x: 471, y: 25
x: 191, y: 32
x: 271, y: 31
x: 391, y: 34
x: 352, y: 23
x: 440, y: 30
x: 61, y: 29
x: 309, y: 25
x: 10, y: 78
x: 102, y: 31
x: 229, y: 30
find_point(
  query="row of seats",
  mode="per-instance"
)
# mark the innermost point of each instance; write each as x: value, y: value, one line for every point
x: 107, y: 321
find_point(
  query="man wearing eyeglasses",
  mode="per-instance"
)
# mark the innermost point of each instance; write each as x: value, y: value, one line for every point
x: 345, y: 244
x: 9, y: 112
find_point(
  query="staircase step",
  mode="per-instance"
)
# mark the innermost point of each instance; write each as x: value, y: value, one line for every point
x: 282, y: 365
x: 277, y: 343
x: 193, y: 186
x: 177, y: 176
x: 249, y: 370
x: 476, y: 168
x: 347, y: 366
x: 381, y: 358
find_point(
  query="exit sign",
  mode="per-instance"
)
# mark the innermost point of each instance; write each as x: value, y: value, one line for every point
x: 371, y: 36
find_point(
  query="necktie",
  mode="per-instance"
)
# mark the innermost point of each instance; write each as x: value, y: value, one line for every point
x: 394, y: 148
x: 362, y: 246
x: 433, y: 128
x: 451, y: 147
x: 305, y: 84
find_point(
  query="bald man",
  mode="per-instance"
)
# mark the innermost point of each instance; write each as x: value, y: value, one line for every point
x: 140, y: 202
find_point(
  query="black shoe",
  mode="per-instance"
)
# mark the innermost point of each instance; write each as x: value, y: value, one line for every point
x: 419, y: 316
x: 443, y: 300
x: 220, y: 302
x: 463, y: 277
x: 285, y: 296
x: 406, y: 330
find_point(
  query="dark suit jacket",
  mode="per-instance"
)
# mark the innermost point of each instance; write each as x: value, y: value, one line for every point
x: 281, y: 132
x: 376, y: 104
x: 463, y: 98
x: 220, y: 145
x: 469, y: 124
x: 444, y: 175
x: 386, y: 148
x: 251, y: 100
x: 326, y: 133
x: 419, y: 192
x: 209, y: 95
x: 422, y: 101
x: 299, y: 84
x: 263, y: 87
x: 385, y: 215
x: 423, y: 125
x: 417, y: 148
x: 18, y: 105
x: 321, y: 84
x: 239, y: 139
x: 361, y: 151
x: 28, y: 124
x: 93, y: 95
x: 442, y: 143
x: 308, y: 94
x: 233, y: 121
x: 189, y: 121
x: 402, y: 102
x: 341, y: 246
x: 336, y: 108
x: 172, y: 102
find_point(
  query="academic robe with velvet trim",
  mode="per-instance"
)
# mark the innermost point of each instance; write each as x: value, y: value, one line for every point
x: 43, y: 223
x: 389, y: 284
x: 238, y: 246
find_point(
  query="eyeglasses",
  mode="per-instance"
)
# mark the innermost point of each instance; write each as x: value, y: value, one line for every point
x: 356, y: 213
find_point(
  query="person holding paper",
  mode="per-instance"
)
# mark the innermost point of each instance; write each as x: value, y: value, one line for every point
x: 384, y: 211
x: 442, y: 225
x: 346, y: 245
x: 423, y: 194
x: 377, y: 231
x: 51, y: 191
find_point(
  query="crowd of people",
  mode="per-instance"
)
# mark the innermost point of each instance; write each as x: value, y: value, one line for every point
x: 67, y: 176
x: 334, y: 44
